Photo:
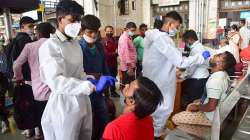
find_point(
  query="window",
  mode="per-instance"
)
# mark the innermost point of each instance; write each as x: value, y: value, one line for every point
x: 124, y: 7
x: 133, y: 5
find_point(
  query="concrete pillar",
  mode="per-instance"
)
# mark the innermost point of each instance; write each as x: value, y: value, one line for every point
x: 146, y: 12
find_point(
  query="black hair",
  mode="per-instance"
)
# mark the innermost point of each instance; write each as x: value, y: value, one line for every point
x: 130, y: 25
x: 173, y: 15
x: 45, y: 29
x: 190, y: 34
x: 142, y: 26
x: 158, y: 24
x: 108, y: 26
x: 69, y: 7
x: 90, y: 22
x: 26, y: 20
x: 147, y: 97
x: 235, y: 27
x: 229, y: 60
x: 243, y: 21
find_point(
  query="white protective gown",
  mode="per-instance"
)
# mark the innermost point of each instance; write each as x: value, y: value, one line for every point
x: 68, y: 114
x: 160, y: 60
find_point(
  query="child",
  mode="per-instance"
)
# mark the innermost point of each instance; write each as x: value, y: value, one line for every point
x: 142, y: 97
x: 199, y: 115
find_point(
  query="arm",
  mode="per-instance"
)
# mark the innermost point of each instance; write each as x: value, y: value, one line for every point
x: 19, y: 45
x: 111, y: 132
x: 17, y: 66
x: 52, y: 71
x: 210, y: 106
x: 190, y: 71
x: 167, y: 48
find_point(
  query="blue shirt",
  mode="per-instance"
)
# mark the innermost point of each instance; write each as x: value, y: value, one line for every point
x: 93, y: 58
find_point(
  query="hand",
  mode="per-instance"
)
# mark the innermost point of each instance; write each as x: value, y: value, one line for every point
x: 104, y: 82
x: 206, y: 55
x: 20, y: 82
x: 193, y: 107
x: 197, y: 101
x: 93, y: 81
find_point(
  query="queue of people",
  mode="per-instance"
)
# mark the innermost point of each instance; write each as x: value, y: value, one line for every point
x: 69, y: 72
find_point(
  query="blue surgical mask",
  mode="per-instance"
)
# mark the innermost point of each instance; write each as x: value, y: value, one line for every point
x: 172, y: 32
x: 130, y: 33
x: 189, y: 45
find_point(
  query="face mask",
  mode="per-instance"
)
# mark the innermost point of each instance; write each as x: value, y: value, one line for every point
x: 130, y: 33
x: 30, y: 32
x: 89, y: 39
x: 72, y: 29
x: 189, y: 45
x: 172, y: 32
x: 109, y: 35
x: 212, y: 64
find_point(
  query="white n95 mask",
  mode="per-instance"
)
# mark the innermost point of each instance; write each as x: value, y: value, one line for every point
x: 89, y: 39
x: 72, y: 29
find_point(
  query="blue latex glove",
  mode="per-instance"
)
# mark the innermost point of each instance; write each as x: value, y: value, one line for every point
x: 104, y: 82
x: 93, y: 81
x: 206, y: 55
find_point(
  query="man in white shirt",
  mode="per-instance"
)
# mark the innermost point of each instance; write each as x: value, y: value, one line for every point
x: 200, y: 113
x: 244, y: 33
x: 196, y: 75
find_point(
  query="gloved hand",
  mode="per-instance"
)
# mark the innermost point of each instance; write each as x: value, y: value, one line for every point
x: 104, y: 82
x: 93, y: 81
x: 206, y: 55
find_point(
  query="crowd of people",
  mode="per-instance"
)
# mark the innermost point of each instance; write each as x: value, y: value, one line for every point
x: 64, y: 76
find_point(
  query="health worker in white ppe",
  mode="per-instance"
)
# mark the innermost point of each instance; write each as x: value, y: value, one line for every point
x: 68, y: 114
x: 161, y: 58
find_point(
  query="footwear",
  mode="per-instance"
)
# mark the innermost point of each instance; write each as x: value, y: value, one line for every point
x: 115, y: 95
x: 38, y: 134
x: 5, y: 128
x: 28, y: 133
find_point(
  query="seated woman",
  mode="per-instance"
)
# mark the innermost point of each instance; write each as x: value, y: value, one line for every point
x: 198, y: 116
x: 142, y: 97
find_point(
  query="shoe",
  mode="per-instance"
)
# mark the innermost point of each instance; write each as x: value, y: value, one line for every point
x: 115, y: 95
x: 28, y: 133
x: 38, y: 134
x: 5, y: 128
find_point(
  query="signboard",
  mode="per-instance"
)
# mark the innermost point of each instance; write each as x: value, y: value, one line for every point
x: 168, y: 2
x: 40, y: 8
x: 245, y: 14
x: 222, y: 22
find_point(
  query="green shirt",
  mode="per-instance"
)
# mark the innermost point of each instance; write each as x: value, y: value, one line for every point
x: 139, y: 45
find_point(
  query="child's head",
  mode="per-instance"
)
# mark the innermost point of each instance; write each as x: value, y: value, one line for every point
x: 131, y: 28
x: 43, y: 30
x: 222, y: 62
x: 90, y: 28
x: 142, y: 96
